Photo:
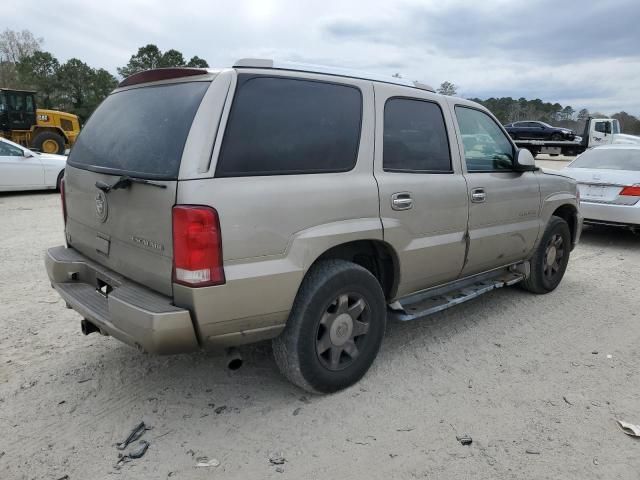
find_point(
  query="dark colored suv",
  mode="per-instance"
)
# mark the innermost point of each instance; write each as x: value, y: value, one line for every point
x: 538, y: 131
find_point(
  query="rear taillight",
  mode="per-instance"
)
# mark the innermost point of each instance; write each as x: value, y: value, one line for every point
x: 197, y: 246
x: 64, y: 202
x: 632, y: 191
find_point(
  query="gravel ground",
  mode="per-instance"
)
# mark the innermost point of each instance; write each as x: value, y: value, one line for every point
x: 536, y: 381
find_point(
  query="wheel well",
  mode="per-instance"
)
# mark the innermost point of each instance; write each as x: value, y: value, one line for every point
x: 376, y: 256
x: 570, y: 215
x: 37, y: 130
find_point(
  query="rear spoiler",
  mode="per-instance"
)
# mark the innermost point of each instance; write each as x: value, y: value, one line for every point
x: 161, y: 74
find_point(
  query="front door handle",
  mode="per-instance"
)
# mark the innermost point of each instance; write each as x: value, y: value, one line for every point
x: 478, y: 195
x: 401, y: 201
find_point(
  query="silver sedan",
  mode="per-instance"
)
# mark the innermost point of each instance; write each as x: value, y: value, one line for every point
x: 609, y: 183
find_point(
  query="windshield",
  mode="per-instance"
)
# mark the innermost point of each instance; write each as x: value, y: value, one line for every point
x: 609, y: 159
x: 139, y: 132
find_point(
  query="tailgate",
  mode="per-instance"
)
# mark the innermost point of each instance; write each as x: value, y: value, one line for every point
x: 136, y: 135
x: 128, y: 230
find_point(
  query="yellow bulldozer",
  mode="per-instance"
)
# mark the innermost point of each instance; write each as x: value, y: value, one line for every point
x: 47, y: 131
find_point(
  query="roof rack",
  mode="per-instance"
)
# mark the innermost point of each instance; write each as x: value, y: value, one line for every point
x: 343, y: 72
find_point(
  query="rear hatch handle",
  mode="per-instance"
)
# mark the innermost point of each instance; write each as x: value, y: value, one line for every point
x: 125, y: 182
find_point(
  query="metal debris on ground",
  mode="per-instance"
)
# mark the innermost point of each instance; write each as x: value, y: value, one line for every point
x: 532, y: 451
x: 629, y: 428
x: 206, y: 462
x: 567, y: 401
x: 297, y: 411
x: 279, y: 469
x: 135, y: 434
x: 137, y: 452
x: 277, y: 459
x: 220, y: 409
x: 464, y: 439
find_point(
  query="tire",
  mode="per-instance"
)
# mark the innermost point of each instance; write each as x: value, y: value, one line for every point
x: 325, y: 319
x: 59, y: 180
x: 556, y: 137
x: 44, y: 139
x: 545, y: 277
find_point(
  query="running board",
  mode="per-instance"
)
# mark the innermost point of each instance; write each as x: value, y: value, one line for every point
x: 435, y: 300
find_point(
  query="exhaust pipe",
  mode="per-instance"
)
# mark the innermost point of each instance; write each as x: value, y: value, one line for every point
x: 233, y: 358
x: 87, y: 327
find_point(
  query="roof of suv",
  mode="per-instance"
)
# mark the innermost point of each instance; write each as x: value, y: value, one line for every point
x: 170, y: 73
x: 337, y: 71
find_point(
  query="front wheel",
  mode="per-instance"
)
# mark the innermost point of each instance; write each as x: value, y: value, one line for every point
x: 49, y: 142
x: 335, y: 328
x: 556, y: 137
x: 550, y: 260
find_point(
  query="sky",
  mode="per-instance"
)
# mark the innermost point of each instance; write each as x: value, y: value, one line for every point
x: 580, y: 53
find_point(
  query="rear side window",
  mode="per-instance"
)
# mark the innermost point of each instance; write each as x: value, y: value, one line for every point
x: 415, y: 137
x: 280, y: 126
x: 139, y: 132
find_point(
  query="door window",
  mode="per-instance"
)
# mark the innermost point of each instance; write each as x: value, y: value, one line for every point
x: 486, y: 147
x: 602, y: 127
x: 415, y: 137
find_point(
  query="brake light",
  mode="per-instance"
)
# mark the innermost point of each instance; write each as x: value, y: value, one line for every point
x: 632, y: 191
x: 64, y: 202
x: 161, y: 74
x: 197, y: 246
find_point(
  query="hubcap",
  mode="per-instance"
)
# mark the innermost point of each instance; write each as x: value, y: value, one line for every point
x: 342, y: 331
x: 554, y: 253
x: 49, y: 146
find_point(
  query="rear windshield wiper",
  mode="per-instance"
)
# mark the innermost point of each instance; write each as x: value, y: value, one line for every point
x: 125, y: 182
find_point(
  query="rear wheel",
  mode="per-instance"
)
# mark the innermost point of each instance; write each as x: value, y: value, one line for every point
x: 549, y: 262
x: 49, y: 142
x: 335, y: 328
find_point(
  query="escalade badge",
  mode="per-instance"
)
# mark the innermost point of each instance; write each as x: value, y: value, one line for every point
x: 102, y: 207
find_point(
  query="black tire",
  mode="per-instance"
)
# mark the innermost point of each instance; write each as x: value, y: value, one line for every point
x: 557, y: 137
x: 42, y: 137
x: 59, y: 180
x: 545, y: 277
x: 316, y: 320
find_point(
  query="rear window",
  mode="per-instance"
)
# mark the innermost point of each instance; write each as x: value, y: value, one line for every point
x: 609, y: 159
x: 280, y: 126
x: 139, y: 132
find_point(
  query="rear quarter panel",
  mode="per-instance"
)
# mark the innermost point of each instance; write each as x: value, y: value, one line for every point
x: 274, y: 228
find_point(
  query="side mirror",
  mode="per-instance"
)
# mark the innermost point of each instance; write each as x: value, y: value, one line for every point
x: 27, y: 154
x: 525, y: 162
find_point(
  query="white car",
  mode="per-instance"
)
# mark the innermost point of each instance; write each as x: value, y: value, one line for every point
x: 609, y: 182
x: 24, y: 169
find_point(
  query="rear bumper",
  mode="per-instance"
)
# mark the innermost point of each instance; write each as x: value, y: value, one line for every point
x: 609, y: 214
x: 131, y: 313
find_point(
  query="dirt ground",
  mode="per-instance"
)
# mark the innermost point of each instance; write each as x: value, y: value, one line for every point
x: 536, y: 381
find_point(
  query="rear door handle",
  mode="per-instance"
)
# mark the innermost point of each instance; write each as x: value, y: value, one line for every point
x: 478, y: 195
x: 401, y: 201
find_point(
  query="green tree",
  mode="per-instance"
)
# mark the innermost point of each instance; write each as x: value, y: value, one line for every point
x: 197, y: 62
x: 146, y: 58
x: 82, y: 88
x: 172, y: 58
x: 150, y: 56
x: 38, y: 72
x: 447, y: 88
